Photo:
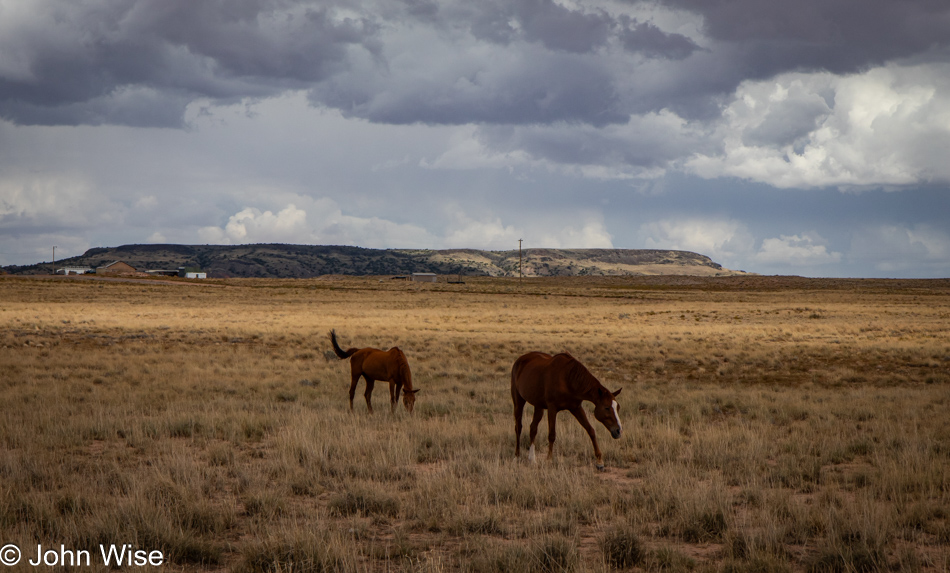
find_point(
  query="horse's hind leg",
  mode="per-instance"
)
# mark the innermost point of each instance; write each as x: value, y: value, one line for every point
x: 355, y: 381
x: 519, y: 414
x: 369, y: 393
x: 533, y: 430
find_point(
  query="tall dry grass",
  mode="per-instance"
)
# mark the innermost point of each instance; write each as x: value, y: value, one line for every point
x: 767, y: 429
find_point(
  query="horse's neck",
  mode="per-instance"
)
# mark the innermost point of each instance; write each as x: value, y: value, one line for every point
x: 592, y: 394
x: 585, y: 384
x: 402, y: 365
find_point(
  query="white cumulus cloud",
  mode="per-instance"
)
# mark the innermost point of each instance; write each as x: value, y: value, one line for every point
x: 724, y: 240
x: 887, y: 126
x: 796, y: 250
x: 325, y: 223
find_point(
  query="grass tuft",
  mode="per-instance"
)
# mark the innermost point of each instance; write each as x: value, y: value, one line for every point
x: 363, y: 502
x: 556, y: 554
x: 622, y: 547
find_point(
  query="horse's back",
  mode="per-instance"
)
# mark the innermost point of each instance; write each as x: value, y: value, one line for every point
x: 381, y: 364
x: 529, y: 362
x: 530, y: 377
x: 371, y: 361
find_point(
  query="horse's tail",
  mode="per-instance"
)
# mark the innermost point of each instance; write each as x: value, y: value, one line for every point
x: 336, y: 347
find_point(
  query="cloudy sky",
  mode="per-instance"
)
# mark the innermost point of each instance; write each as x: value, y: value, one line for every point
x: 808, y: 137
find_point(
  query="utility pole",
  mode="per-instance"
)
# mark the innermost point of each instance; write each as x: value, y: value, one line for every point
x: 520, y: 273
x: 54, y: 254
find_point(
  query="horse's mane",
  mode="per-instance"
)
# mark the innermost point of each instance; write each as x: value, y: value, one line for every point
x: 402, y: 365
x: 579, y: 378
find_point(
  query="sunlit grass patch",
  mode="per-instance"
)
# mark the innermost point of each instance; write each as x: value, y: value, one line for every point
x: 214, y: 428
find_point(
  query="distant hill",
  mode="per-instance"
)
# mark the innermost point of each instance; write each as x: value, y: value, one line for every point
x: 302, y: 261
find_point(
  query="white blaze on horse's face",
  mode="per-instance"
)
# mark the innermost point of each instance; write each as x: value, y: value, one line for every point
x: 609, y: 415
x: 616, y: 430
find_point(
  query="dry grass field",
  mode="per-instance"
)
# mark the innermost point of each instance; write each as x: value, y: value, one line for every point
x: 770, y: 424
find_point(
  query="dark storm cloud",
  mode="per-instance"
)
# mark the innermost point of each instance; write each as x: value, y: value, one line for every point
x: 840, y: 36
x: 646, y: 142
x: 100, y: 62
x: 649, y: 40
x: 531, y: 87
x: 141, y: 62
x: 560, y: 28
x: 543, y: 21
x: 123, y: 106
x: 253, y: 38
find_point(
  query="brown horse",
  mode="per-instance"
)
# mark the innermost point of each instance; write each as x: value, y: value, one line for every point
x: 389, y: 365
x: 556, y: 383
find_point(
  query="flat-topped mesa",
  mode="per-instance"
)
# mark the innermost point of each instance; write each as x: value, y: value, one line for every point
x: 305, y: 261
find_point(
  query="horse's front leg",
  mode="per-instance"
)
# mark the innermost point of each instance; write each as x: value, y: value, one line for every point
x: 582, y: 418
x: 394, y: 389
x: 552, y: 431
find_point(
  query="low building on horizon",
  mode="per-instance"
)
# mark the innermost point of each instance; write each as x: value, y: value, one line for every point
x: 191, y: 273
x: 74, y: 271
x: 118, y: 268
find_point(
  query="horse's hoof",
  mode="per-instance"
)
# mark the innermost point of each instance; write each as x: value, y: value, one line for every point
x: 601, y: 468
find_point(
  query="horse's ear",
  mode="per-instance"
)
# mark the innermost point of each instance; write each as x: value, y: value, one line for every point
x: 617, y: 392
x: 412, y: 391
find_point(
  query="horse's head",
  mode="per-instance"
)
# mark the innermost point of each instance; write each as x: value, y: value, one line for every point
x: 607, y: 411
x: 409, y: 399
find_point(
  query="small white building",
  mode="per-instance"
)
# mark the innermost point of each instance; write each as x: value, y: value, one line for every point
x: 424, y: 277
x: 187, y: 273
x: 74, y: 270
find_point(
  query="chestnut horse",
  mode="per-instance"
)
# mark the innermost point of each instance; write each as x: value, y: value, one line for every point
x: 556, y: 383
x: 373, y: 364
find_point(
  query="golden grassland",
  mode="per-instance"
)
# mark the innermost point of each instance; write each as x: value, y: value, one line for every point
x: 770, y: 425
